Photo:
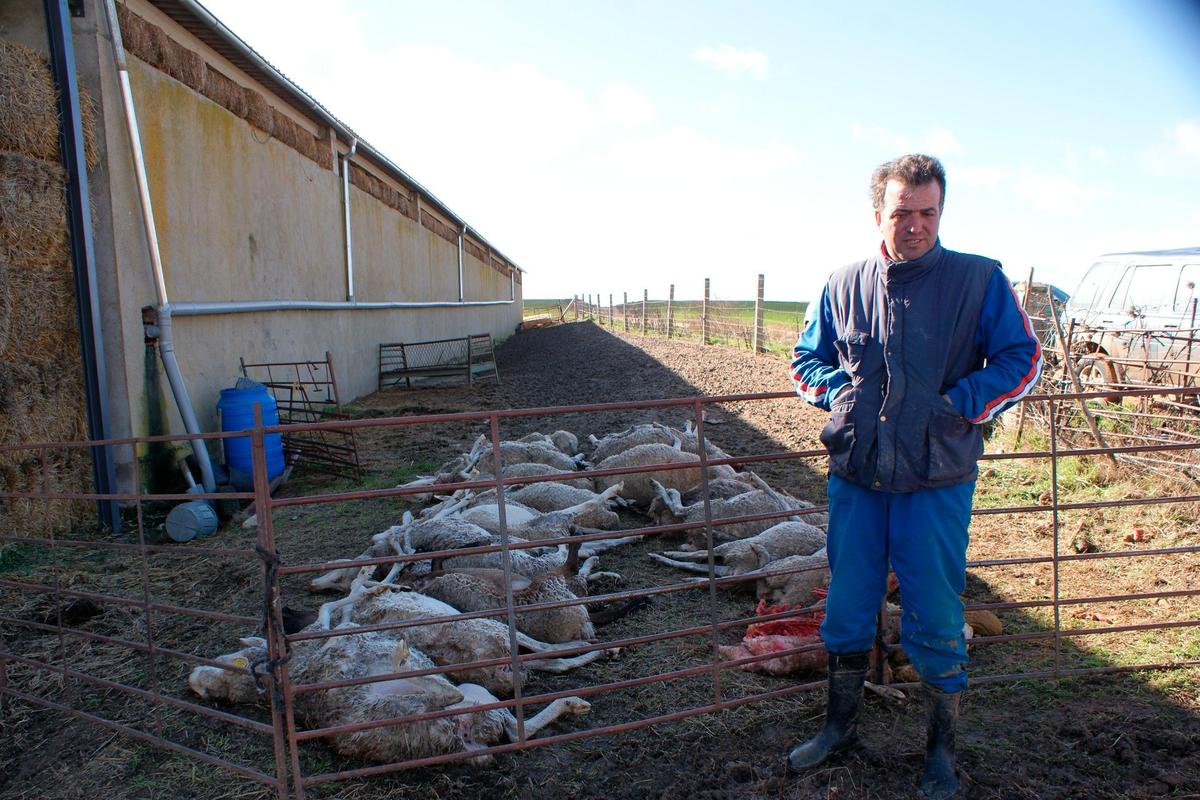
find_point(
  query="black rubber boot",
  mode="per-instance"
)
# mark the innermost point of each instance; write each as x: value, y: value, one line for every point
x: 847, y: 671
x: 940, y: 781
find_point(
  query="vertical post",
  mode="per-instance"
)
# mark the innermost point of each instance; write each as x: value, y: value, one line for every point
x: 610, y: 310
x: 575, y: 306
x: 1055, y: 520
x: 670, y: 308
x: 645, y: 296
x: 759, y: 344
x: 625, y: 311
x: 1025, y: 306
x: 283, y: 720
x: 704, y: 315
x: 589, y: 306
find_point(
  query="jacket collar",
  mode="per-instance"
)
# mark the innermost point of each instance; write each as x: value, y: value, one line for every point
x: 904, y: 271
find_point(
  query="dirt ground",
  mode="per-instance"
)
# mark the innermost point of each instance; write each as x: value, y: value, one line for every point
x: 1129, y: 735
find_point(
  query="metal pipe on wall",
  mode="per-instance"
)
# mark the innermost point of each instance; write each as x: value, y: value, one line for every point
x: 346, y: 212
x: 247, y: 306
x: 166, y: 343
x: 461, y: 231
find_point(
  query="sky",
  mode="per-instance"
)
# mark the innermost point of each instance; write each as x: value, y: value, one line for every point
x: 610, y: 147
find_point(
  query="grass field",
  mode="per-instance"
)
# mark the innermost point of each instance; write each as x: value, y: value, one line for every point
x: 775, y: 312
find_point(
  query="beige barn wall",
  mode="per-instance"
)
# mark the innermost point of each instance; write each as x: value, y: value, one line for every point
x: 243, y: 217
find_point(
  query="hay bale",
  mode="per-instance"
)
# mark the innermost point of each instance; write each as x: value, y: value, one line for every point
x: 33, y: 211
x: 225, y: 92
x: 184, y: 65
x: 29, y: 107
x: 259, y: 112
x: 45, y: 329
x: 64, y: 471
x: 40, y: 403
x: 140, y: 38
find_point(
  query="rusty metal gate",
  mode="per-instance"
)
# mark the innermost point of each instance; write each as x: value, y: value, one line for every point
x: 115, y: 654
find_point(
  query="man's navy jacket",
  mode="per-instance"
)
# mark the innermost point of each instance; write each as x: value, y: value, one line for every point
x: 911, y: 358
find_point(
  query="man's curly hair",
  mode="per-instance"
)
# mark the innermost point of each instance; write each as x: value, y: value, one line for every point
x: 915, y: 169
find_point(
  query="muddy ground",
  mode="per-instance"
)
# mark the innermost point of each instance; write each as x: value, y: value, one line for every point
x: 1133, y: 734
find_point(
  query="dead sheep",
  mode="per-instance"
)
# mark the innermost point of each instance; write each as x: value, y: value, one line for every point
x: 784, y: 539
x: 639, y: 486
x: 452, y: 641
x: 565, y: 441
x: 369, y: 654
x: 667, y: 508
x: 792, y: 580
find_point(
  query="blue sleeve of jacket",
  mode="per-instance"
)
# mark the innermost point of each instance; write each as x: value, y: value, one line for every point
x: 816, y: 368
x: 1013, y: 353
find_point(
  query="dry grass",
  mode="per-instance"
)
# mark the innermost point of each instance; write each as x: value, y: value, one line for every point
x: 33, y: 212
x: 29, y: 107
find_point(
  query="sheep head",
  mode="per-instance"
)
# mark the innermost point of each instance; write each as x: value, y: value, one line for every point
x: 233, y: 684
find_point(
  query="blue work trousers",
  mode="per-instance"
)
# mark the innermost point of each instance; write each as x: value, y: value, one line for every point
x: 924, y: 536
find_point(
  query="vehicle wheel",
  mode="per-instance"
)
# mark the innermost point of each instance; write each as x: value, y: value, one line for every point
x: 1098, y: 373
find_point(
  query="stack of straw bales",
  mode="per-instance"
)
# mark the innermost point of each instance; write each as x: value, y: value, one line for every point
x: 41, y: 381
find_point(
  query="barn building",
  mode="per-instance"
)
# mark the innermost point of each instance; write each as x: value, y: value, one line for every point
x: 282, y: 234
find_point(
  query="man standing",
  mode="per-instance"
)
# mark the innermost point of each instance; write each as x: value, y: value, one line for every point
x: 912, y: 350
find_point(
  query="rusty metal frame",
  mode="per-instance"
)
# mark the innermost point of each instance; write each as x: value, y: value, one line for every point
x: 304, y: 392
x: 286, y: 775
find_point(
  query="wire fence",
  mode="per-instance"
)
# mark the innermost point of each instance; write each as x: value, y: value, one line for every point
x: 757, y: 325
x: 115, y: 648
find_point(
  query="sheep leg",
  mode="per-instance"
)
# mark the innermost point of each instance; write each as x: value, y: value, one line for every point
x: 560, y: 665
x: 686, y: 555
x: 886, y: 692
x: 559, y: 708
x: 718, y: 569
x: 589, y: 549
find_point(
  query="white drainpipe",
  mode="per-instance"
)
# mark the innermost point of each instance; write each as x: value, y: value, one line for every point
x: 166, y: 342
x: 461, y: 230
x: 346, y: 213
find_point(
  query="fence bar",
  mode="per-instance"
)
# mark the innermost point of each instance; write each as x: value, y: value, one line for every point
x: 704, y: 315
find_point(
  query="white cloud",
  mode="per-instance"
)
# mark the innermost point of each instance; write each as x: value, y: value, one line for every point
x: 734, y: 61
x: 980, y: 177
x: 1187, y: 137
x: 938, y: 142
x: 1056, y: 194
x: 626, y: 106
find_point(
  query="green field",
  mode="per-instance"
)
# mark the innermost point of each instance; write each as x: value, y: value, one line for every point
x: 775, y: 312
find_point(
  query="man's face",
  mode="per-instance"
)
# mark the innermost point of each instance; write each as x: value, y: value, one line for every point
x: 910, y: 218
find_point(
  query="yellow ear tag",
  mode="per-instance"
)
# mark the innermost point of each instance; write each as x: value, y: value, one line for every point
x: 241, y: 663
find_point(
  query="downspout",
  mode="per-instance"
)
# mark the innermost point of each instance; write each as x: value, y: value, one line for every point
x: 346, y: 213
x: 166, y: 341
x: 461, y: 230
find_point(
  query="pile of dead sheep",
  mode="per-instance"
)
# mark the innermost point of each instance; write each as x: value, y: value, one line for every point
x: 783, y: 557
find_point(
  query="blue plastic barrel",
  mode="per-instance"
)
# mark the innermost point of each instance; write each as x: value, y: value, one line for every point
x: 237, y: 413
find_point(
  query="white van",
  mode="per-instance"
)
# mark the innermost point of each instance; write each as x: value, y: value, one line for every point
x: 1134, y: 313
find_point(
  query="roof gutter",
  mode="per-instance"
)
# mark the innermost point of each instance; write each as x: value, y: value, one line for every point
x: 333, y: 122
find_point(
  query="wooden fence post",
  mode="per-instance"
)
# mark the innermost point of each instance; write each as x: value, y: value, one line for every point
x: 670, y: 308
x: 759, y: 344
x: 704, y: 316
x: 625, y: 310
x: 645, y: 296
x: 575, y: 305
x: 610, y: 310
